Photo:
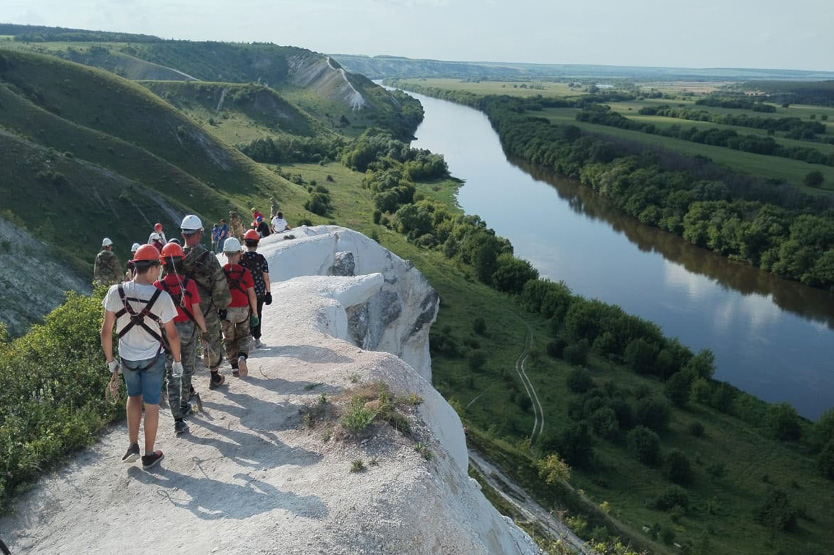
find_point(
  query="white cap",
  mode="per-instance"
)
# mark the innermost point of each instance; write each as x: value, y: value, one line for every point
x: 135, y: 247
x: 106, y: 242
x: 191, y: 223
x: 232, y: 245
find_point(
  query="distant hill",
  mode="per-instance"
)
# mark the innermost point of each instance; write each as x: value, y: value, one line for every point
x: 380, y: 67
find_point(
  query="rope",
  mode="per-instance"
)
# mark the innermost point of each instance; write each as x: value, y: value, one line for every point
x: 111, y: 392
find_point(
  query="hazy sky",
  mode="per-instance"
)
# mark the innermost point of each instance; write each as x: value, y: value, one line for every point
x: 796, y: 34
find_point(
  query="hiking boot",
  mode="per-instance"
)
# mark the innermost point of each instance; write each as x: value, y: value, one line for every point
x: 235, y: 372
x: 216, y: 380
x: 241, y: 365
x: 180, y: 427
x: 258, y: 344
x: 150, y: 461
x: 132, y: 454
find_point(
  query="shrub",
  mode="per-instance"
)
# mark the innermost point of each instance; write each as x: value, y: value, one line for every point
x: 674, y: 496
x: 477, y: 361
x: 644, y: 445
x: 653, y: 412
x: 814, y: 179
x: 552, y: 469
x: 574, y: 444
x: 640, y: 356
x: 604, y: 422
x: 377, y: 215
x: 356, y: 417
x: 678, y: 388
x: 825, y: 460
x: 479, y: 325
x: 512, y: 273
x: 677, y: 467
x: 556, y: 347
x: 776, y: 511
x: 695, y: 428
x: 577, y: 353
x: 783, y: 421
x: 579, y: 380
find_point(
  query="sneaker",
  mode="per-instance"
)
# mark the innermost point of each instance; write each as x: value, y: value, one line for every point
x: 150, y: 461
x: 235, y: 372
x: 180, y: 427
x: 241, y: 365
x: 258, y: 344
x: 216, y: 380
x: 132, y: 454
x: 185, y: 410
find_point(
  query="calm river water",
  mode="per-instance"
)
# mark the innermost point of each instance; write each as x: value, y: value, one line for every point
x: 771, y: 337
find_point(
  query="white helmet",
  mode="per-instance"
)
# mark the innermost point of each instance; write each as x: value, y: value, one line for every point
x: 106, y: 242
x: 154, y: 237
x: 135, y: 247
x: 232, y: 245
x: 191, y: 224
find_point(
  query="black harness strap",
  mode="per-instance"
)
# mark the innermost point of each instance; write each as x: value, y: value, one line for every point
x: 139, y: 318
x: 235, y: 282
x: 178, y: 297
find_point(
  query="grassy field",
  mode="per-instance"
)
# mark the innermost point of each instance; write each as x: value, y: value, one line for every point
x: 793, y: 171
x: 722, y: 508
x: 511, y: 88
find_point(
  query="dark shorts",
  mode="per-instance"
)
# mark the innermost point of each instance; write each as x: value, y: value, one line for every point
x: 144, y: 378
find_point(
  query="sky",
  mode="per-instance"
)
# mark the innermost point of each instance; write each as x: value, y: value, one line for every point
x: 795, y: 34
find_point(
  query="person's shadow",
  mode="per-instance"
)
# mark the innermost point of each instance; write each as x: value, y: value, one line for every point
x: 211, y: 499
x: 310, y: 354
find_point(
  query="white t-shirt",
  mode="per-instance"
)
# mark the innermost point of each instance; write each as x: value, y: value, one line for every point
x: 138, y: 344
x: 279, y: 224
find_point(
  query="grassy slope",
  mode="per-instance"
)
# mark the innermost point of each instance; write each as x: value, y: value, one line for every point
x: 120, y: 126
x: 627, y: 485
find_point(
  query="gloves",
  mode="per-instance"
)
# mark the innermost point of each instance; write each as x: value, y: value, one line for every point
x: 268, y: 298
x: 222, y: 313
x: 176, y: 369
x: 113, y: 366
x: 254, y: 321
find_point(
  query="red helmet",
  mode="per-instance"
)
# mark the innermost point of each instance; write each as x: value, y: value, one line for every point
x: 251, y: 235
x: 172, y: 250
x: 157, y: 227
x: 146, y: 253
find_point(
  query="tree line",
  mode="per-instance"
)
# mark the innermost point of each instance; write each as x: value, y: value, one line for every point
x: 603, y: 115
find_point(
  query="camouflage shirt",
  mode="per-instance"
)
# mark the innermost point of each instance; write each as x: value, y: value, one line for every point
x: 204, y: 268
x: 107, y: 270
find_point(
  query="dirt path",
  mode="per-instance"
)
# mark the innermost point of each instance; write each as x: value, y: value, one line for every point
x: 538, y: 412
x: 532, y: 511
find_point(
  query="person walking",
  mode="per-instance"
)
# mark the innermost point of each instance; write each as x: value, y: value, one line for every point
x: 222, y: 236
x: 129, y: 265
x: 107, y: 269
x: 155, y: 239
x: 242, y: 311
x: 140, y: 313
x: 279, y: 224
x: 215, y: 236
x: 157, y: 228
x: 203, y: 267
x: 188, y: 321
x: 259, y: 268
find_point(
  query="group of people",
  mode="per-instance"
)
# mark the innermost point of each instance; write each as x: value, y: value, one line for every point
x: 234, y: 228
x: 174, y: 295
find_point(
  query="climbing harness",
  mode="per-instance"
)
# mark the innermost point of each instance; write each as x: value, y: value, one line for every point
x: 235, y: 281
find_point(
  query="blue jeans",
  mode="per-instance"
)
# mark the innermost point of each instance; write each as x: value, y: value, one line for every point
x: 144, y: 378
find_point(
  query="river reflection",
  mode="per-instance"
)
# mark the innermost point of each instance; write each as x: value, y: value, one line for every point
x: 771, y: 337
x: 807, y: 302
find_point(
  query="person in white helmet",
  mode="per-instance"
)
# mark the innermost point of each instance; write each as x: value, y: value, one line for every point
x: 242, y: 312
x: 107, y: 269
x: 203, y: 267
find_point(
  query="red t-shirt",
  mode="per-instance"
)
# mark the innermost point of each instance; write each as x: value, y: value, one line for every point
x: 184, y: 301
x: 240, y: 281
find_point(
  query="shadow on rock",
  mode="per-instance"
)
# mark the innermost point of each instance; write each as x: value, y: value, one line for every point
x: 211, y: 499
x: 263, y: 417
x: 305, y: 353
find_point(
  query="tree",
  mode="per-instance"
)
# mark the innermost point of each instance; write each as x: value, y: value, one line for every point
x: 574, y: 444
x: 702, y: 365
x: 678, y: 388
x: 644, y: 445
x: 486, y: 262
x: 825, y: 461
x: 783, y: 421
x: 512, y: 273
x: 814, y: 179
x: 653, y: 412
x: 674, y: 496
x: 640, y: 356
x: 577, y: 353
x: 677, y: 467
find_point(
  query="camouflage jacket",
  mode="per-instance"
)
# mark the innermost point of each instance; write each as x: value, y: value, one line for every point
x: 107, y: 270
x: 204, y: 268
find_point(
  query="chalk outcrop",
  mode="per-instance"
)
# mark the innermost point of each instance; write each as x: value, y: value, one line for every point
x: 251, y: 477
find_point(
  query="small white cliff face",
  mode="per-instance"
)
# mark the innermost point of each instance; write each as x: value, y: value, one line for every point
x: 250, y: 478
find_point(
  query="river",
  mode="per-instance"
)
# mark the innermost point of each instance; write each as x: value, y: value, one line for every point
x: 771, y: 337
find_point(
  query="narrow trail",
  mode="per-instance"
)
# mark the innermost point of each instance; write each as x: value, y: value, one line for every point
x: 515, y: 495
x: 538, y: 411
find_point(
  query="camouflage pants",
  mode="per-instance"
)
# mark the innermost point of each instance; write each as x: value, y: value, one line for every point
x: 213, y: 337
x: 179, y: 390
x: 236, y: 333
